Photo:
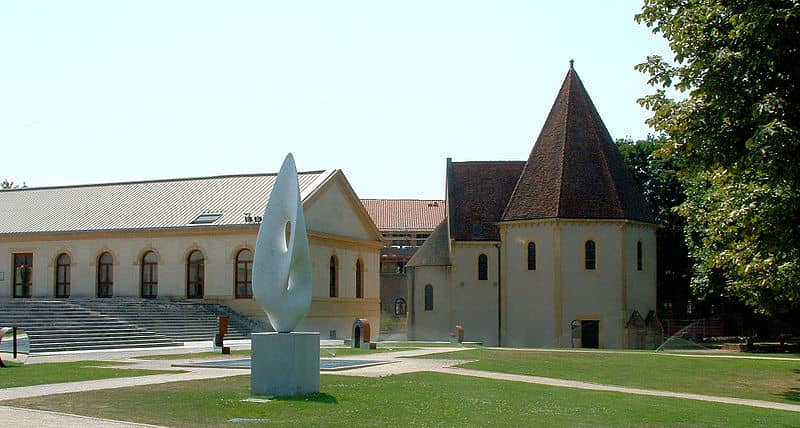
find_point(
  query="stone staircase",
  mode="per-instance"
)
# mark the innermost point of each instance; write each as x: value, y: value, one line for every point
x: 90, y: 324
x: 59, y: 325
x: 179, y: 320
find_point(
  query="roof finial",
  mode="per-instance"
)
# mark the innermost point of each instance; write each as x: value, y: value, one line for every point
x: 571, y: 64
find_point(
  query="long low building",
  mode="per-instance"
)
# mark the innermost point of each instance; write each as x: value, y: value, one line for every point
x: 187, y: 238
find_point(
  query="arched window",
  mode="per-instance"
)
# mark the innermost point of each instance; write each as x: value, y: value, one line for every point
x: 149, y: 275
x: 399, y: 306
x: 483, y: 267
x: 428, y: 297
x: 589, y: 256
x: 62, y: 275
x: 333, y: 277
x: 195, y: 275
x: 531, y: 256
x: 639, y: 255
x: 105, y: 275
x: 243, y: 275
x: 359, y: 280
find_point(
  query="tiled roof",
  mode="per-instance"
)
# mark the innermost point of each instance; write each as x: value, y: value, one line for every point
x: 575, y: 170
x: 141, y: 205
x: 405, y: 214
x: 477, y: 193
x: 435, y: 251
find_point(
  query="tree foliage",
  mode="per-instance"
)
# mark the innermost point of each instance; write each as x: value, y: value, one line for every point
x: 737, y: 135
x: 656, y: 174
x: 5, y: 184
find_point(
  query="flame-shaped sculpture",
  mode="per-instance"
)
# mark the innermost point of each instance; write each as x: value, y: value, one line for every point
x: 282, y: 259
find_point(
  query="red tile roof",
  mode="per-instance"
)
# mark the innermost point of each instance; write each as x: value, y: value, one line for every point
x: 575, y: 170
x: 405, y: 214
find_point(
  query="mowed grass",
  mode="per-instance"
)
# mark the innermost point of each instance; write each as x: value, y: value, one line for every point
x: 772, y: 380
x: 45, y: 373
x: 418, y: 399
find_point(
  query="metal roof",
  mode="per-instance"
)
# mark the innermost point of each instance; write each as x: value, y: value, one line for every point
x: 405, y: 214
x: 157, y: 204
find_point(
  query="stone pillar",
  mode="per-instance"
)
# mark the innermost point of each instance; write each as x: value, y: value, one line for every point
x: 284, y: 363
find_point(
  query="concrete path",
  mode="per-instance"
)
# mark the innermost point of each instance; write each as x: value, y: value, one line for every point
x: 13, y: 417
x: 94, y: 385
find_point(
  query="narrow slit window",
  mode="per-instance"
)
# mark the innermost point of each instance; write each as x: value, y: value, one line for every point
x: 428, y: 297
x: 531, y: 256
x: 590, y: 255
x: 483, y: 267
x: 639, y: 255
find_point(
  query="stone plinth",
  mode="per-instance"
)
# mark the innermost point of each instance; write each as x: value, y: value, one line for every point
x: 284, y: 363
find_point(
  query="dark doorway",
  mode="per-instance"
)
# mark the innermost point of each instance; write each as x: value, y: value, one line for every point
x: 590, y: 334
x: 357, y: 337
x: 23, y: 273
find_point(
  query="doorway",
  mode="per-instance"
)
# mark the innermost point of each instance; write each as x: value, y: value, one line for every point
x: 357, y: 337
x: 23, y: 274
x: 590, y: 334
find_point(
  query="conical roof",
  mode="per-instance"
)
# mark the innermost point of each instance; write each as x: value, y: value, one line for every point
x: 575, y: 170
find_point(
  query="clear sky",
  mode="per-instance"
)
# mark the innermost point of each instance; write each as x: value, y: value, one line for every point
x: 104, y: 91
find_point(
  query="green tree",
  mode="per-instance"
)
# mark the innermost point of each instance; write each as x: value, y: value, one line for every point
x: 735, y: 132
x: 657, y: 176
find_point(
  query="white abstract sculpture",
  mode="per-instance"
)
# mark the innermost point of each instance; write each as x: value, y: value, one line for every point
x: 282, y: 259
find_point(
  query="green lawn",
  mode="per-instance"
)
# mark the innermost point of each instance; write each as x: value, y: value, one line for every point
x: 419, y: 399
x: 772, y: 380
x: 40, y: 374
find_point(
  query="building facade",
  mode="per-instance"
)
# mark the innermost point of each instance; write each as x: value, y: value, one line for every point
x: 555, y: 251
x: 186, y: 239
x: 405, y: 225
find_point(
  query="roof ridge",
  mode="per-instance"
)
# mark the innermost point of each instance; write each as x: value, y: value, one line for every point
x: 500, y: 161
x: 402, y: 199
x: 160, y: 180
x: 570, y: 76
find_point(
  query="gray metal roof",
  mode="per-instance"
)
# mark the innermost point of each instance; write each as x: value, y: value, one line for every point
x: 154, y: 204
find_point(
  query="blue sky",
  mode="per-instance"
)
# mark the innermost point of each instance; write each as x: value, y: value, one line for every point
x: 104, y: 91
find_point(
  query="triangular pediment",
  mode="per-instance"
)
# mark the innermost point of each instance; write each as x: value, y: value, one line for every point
x: 334, y: 209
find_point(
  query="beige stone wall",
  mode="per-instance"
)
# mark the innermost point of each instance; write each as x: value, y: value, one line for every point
x: 529, y: 299
x: 84, y: 249
x: 641, y: 285
x: 474, y: 301
x: 539, y: 305
x: 592, y: 294
x: 433, y: 324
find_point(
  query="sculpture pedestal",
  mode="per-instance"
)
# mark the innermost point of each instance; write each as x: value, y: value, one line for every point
x: 284, y: 363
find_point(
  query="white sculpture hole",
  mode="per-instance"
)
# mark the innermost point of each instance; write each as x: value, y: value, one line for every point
x: 287, y: 235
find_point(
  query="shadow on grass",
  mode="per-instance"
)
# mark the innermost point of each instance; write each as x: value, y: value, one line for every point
x: 317, y: 397
x: 792, y: 394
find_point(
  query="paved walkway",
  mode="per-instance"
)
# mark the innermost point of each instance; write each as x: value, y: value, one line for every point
x: 398, y: 363
x: 13, y: 417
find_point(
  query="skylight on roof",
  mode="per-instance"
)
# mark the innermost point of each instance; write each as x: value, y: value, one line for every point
x: 206, y: 218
